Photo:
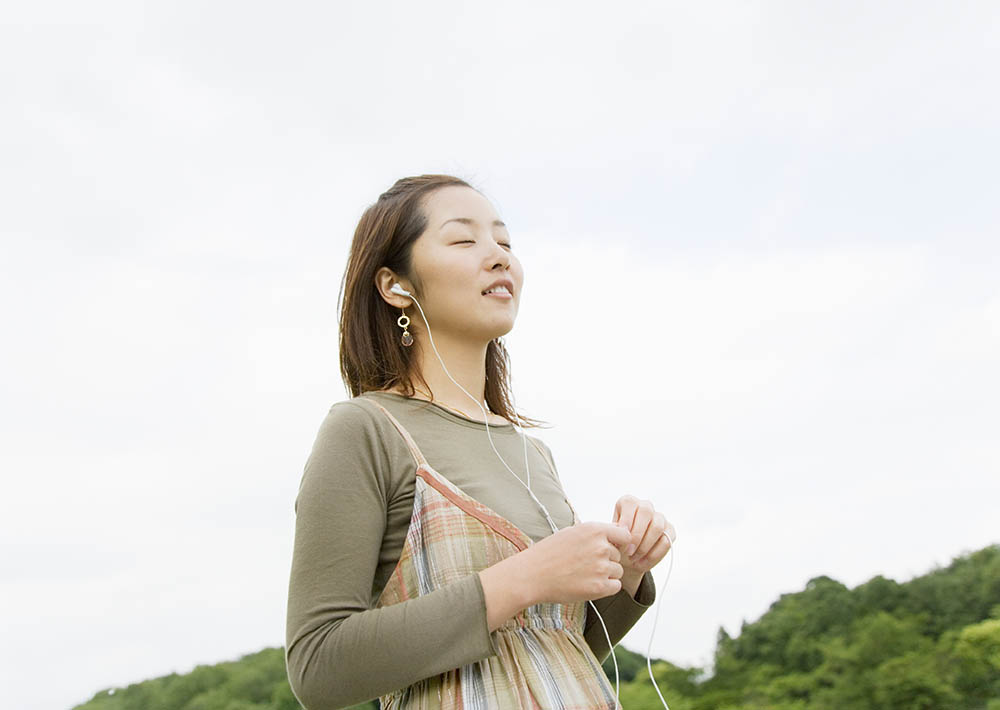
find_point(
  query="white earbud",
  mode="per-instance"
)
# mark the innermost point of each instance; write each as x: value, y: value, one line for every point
x: 396, y: 288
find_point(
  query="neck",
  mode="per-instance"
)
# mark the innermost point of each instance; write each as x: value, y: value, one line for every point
x: 466, y: 363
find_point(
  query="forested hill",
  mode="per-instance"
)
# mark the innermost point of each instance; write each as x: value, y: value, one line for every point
x: 930, y: 642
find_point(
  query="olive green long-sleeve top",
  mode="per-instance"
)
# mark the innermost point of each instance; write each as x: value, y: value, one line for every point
x: 352, y: 513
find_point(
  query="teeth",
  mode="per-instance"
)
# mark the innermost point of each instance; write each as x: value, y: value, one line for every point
x: 497, y: 288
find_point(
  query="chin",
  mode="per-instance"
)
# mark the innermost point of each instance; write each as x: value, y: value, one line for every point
x: 495, y: 333
x: 503, y: 330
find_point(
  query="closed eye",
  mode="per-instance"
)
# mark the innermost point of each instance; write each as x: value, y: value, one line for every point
x: 472, y: 241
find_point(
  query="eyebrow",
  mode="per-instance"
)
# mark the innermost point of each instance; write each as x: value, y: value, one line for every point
x: 469, y: 221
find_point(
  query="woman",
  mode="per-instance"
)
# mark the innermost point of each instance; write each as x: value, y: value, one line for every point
x: 425, y: 570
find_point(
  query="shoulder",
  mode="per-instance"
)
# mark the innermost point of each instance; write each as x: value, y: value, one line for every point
x: 536, y: 440
x: 348, y: 421
x: 355, y: 440
x: 547, y: 454
x: 546, y: 451
x: 360, y: 413
x: 358, y: 425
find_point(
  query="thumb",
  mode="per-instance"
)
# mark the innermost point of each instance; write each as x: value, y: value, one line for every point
x: 618, y: 535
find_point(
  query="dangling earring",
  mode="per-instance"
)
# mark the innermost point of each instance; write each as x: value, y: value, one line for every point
x: 404, y: 321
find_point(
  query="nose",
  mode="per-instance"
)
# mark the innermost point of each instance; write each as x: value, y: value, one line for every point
x: 502, y: 257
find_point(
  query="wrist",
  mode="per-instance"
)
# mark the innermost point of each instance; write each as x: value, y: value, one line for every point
x: 523, y: 581
x: 507, y: 589
x: 631, y: 582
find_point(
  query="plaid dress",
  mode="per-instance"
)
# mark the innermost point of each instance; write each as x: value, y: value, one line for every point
x: 543, y: 662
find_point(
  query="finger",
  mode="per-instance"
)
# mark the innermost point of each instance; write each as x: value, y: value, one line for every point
x: 640, y: 526
x: 669, y: 533
x: 622, y: 525
x: 614, y: 553
x: 617, y: 535
x: 615, y: 570
x: 652, y: 534
x: 626, y: 517
x: 620, y: 505
x: 625, y: 511
x: 658, y: 552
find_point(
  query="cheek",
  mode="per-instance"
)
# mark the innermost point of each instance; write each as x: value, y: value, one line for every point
x: 518, y: 271
x: 449, y: 286
x: 438, y: 274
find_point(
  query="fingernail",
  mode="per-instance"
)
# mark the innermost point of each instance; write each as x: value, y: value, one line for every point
x: 630, y: 549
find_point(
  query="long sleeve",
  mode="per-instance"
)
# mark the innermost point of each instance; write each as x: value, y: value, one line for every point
x: 339, y: 650
x: 620, y: 611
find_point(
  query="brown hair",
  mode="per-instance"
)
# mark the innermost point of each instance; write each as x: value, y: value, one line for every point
x: 371, y: 356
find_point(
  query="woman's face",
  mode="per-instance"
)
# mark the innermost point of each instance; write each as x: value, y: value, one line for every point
x: 465, y: 250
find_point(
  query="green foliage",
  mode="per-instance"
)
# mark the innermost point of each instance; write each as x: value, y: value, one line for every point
x: 632, y: 666
x: 256, y: 681
x: 932, y: 642
x: 629, y: 664
x: 912, y: 682
x: 963, y: 593
x: 975, y: 659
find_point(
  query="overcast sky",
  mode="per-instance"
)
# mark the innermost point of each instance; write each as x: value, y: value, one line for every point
x: 760, y: 243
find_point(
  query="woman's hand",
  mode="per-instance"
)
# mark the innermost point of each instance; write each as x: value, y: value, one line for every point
x: 577, y: 563
x: 649, y: 543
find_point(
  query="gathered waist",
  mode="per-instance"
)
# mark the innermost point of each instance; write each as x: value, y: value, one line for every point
x: 561, y: 617
x: 542, y: 664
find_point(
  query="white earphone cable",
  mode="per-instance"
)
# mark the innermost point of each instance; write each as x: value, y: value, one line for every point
x: 396, y: 288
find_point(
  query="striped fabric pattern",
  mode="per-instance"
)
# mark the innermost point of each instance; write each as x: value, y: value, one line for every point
x: 543, y: 661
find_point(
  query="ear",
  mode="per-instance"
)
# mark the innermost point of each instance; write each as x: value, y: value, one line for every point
x: 384, y: 279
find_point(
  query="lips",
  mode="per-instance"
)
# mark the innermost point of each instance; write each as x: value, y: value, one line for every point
x: 501, y: 282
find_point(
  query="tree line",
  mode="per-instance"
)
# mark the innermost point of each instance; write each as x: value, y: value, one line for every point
x: 930, y: 643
